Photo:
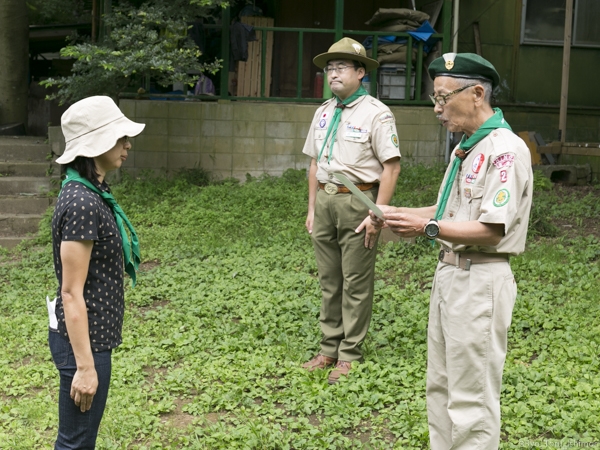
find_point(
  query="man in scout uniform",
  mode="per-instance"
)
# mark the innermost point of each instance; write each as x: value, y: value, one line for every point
x: 353, y: 134
x: 480, y: 220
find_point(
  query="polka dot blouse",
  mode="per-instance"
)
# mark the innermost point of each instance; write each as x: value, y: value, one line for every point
x: 81, y: 214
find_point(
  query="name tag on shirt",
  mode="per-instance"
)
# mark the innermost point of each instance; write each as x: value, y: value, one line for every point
x: 354, y: 134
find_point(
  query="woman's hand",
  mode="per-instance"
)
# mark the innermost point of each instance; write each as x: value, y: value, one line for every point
x: 83, y: 387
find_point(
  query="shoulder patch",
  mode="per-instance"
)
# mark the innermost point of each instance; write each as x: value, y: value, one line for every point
x: 504, y: 161
x: 395, y: 140
x: 387, y: 117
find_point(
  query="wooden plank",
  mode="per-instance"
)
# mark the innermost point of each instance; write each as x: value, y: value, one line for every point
x: 241, y: 70
x: 249, y: 72
x: 254, y: 58
x: 581, y: 151
x: 529, y: 140
x: 255, y: 77
x: 564, y: 88
x: 589, y: 149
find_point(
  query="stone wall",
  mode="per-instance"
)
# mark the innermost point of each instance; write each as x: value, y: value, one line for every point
x: 232, y: 139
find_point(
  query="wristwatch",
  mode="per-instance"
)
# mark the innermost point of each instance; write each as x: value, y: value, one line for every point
x: 432, y: 229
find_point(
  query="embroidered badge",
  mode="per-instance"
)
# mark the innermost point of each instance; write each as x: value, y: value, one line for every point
x: 357, y: 48
x: 477, y: 163
x: 503, y: 176
x: 322, y: 123
x: 395, y: 140
x: 386, y: 117
x: 470, y: 178
x: 502, y: 197
x: 504, y: 161
x: 353, y: 131
x: 468, y: 192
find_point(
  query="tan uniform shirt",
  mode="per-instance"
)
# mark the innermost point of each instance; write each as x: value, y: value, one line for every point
x: 366, y: 138
x: 494, y: 185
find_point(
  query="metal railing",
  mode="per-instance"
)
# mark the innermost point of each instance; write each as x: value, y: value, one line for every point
x: 338, y: 32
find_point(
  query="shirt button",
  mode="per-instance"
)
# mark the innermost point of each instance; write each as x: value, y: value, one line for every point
x: 451, y: 215
x: 494, y: 134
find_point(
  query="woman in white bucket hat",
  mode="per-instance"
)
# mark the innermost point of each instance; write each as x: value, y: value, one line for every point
x: 91, y: 248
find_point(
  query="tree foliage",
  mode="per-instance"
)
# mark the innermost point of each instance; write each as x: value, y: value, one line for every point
x: 50, y: 12
x: 145, y: 40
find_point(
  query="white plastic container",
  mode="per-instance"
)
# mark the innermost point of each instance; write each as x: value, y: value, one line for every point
x: 392, y: 82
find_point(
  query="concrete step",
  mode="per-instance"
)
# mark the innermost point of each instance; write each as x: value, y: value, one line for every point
x: 24, y: 148
x: 27, y: 185
x: 25, y: 204
x: 28, y: 169
x: 19, y: 224
x: 12, y: 241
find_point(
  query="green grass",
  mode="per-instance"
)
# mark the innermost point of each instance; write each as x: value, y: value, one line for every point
x: 226, y: 309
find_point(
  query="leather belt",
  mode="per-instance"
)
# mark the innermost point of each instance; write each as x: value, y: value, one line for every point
x: 463, y: 260
x: 332, y: 188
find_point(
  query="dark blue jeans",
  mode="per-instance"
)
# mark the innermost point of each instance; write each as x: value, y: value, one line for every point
x: 77, y: 430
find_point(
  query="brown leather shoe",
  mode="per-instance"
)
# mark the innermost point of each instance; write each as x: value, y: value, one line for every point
x: 341, y: 368
x: 319, y: 362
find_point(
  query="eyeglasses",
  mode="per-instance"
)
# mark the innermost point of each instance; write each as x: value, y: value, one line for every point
x: 124, y: 140
x: 443, y: 99
x: 338, y: 69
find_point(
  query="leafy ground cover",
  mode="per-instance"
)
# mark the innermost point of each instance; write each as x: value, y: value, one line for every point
x: 226, y: 309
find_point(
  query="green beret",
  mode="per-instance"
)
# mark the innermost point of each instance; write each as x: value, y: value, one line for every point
x: 464, y: 65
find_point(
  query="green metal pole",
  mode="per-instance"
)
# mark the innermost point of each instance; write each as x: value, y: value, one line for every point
x: 447, y: 21
x: 339, y: 33
x: 419, y: 71
x: 408, y: 72
x: 339, y: 19
x: 299, y: 74
x: 225, y: 18
x: 263, y: 63
x: 373, y: 76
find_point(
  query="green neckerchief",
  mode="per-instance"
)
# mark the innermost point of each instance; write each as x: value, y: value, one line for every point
x: 493, y: 123
x: 131, y: 250
x: 335, y: 120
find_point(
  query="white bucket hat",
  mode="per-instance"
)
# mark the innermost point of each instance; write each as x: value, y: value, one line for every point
x: 92, y: 127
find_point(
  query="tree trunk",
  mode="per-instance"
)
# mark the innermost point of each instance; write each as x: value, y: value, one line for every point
x: 14, y: 61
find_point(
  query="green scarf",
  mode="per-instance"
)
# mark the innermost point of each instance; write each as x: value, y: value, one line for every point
x: 493, y: 123
x: 335, y: 121
x: 131, y: 249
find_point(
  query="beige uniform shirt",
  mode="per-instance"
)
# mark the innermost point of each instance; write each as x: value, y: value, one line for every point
x: 366, y: 138
x: 493, y: 185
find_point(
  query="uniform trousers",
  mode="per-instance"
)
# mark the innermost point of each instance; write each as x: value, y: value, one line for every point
x: 469, y: 316
x: 346, y: 273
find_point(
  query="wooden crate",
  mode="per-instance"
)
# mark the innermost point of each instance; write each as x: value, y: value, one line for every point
x: 249, y: 73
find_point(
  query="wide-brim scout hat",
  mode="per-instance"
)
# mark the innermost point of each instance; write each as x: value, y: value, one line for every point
x: 464, y: 65
x: 92, y: 127
x: 346, y: 48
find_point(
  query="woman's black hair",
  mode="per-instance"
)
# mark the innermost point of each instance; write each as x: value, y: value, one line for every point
x: 86, y: 168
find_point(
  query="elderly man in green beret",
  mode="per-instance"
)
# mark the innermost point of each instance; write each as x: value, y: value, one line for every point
x: 353, y: 134
x: 480, y: 220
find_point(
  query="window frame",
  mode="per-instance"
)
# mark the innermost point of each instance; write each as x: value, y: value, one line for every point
x: 549, y: 42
